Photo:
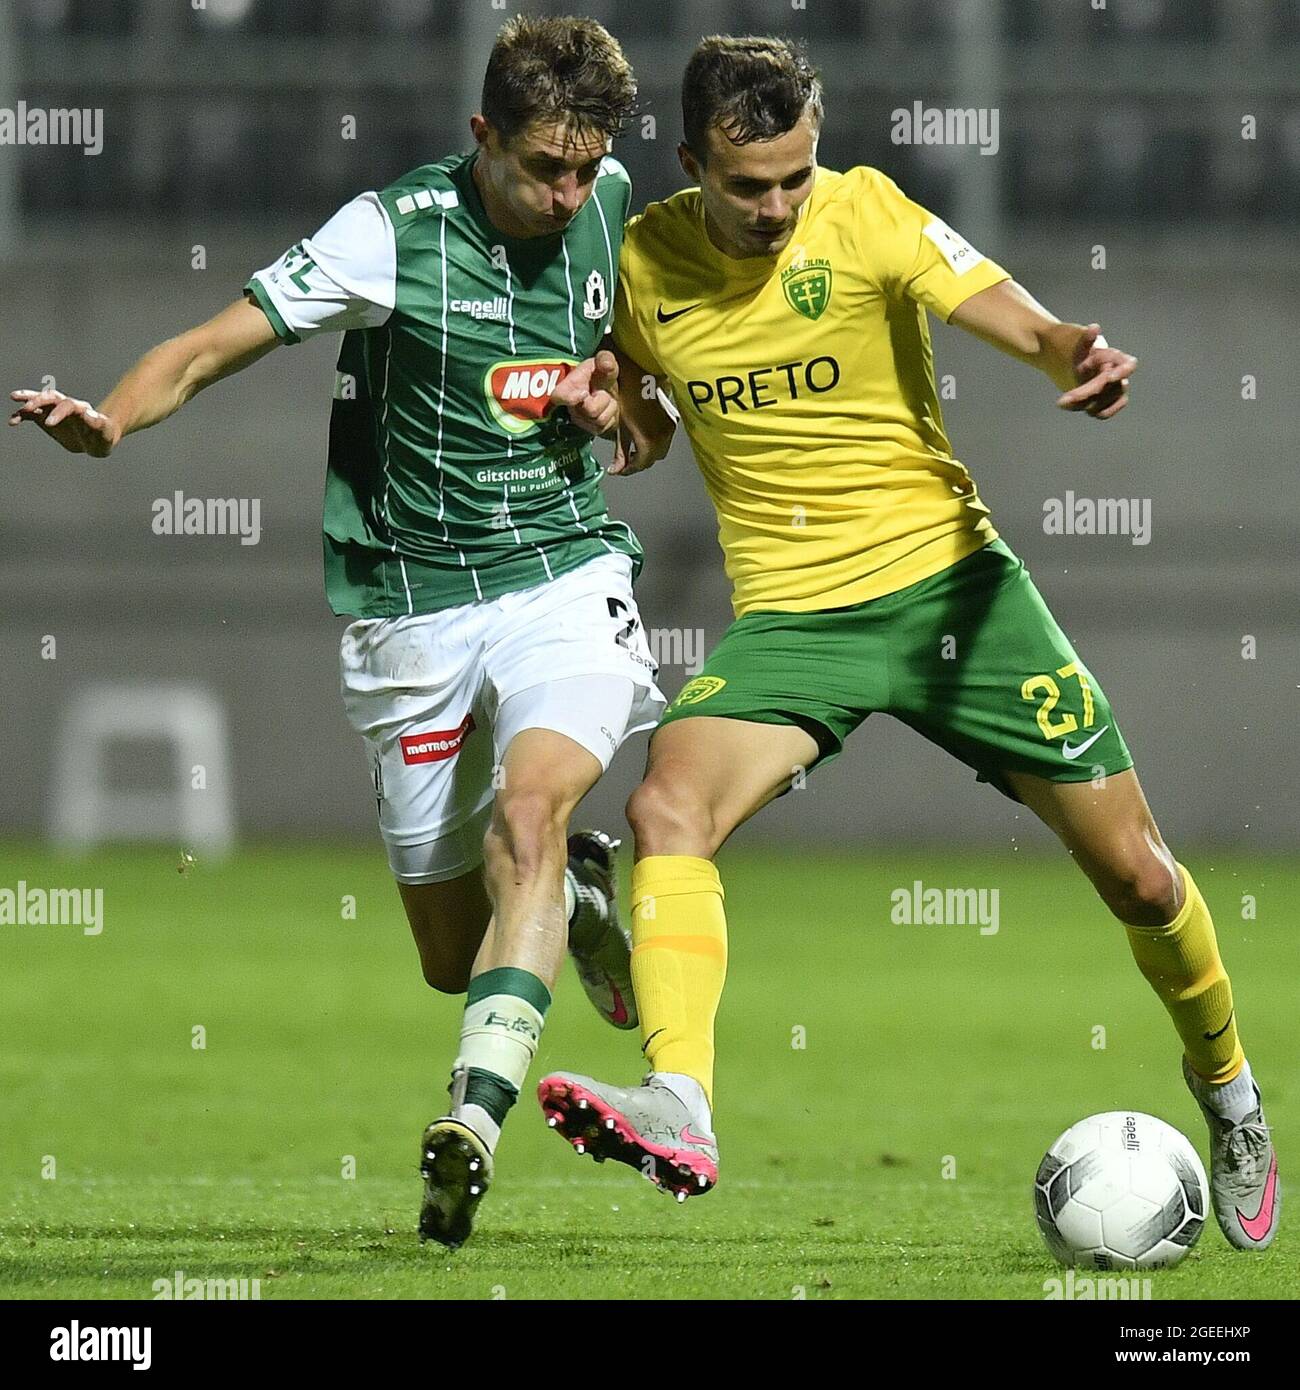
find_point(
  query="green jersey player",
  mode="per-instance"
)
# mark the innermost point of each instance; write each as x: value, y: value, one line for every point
x: 495, y: 660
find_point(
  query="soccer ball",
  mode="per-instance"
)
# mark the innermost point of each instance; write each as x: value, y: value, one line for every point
x: 1121, y: 1190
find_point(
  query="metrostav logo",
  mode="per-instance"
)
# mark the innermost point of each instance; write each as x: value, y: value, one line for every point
x: 437, y: 745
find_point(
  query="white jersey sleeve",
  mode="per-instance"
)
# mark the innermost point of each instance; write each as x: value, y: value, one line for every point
x: 343, y: 277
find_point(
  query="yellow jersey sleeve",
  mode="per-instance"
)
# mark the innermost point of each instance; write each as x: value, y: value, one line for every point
x: 914, y: 254
x: 630, y: 332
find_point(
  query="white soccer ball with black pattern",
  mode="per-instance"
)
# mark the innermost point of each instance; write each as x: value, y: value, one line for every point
x: 1121, y: 1190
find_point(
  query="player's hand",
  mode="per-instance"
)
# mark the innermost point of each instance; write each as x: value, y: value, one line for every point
x: 1103, y: 375
x: 76, y: 425
x: 587, y: 392
x: 634, y: 451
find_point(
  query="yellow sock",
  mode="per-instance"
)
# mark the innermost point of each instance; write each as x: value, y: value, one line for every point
x: 679, y: 961
x: 1181, y: 963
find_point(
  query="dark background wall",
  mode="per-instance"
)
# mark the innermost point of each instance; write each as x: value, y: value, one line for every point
x: 1120, y: 129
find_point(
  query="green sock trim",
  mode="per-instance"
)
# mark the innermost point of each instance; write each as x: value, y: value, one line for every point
x: 493, y: 1093
x: 509, y: 979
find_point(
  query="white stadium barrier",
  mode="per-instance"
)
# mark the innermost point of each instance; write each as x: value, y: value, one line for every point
x: 195, y: 811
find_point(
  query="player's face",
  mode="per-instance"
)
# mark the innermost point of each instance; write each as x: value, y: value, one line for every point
x: 753, y: 193
x: 536, y: 183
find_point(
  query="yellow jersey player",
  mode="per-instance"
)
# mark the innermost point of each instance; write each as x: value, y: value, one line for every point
x: 784, y: 305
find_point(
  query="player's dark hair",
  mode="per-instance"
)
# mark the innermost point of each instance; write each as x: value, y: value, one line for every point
x: 560, y: 69
x: 750, y: 88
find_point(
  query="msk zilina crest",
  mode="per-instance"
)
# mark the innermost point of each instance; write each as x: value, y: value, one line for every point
x: 807, y: 286
x: 699, y: 689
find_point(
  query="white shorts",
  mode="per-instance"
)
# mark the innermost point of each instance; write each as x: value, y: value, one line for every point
x: 437, y: 697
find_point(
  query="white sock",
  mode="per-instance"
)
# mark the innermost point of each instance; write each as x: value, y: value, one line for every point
x: 1233, y: 1100
x: 691, y: 1094
x: 480, y: 1122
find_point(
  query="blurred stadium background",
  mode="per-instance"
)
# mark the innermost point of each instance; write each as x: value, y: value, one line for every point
x: 1120, y: 135
x: 1120, y: 128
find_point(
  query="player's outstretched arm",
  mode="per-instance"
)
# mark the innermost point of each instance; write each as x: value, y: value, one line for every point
x: 1093, y: 376
x: 588, y: 393
x: 157, y: 386
x: 603, y: 396
x: 645, y: 428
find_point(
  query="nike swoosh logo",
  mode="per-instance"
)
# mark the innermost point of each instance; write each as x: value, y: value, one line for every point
x: 690, y: 1137
x: 1069, y: 754
x: 1256, y: 1227
x: 676, y: 313
x: 618, y: 1014
x: 652, y: 1037
x: 1210, y: 1037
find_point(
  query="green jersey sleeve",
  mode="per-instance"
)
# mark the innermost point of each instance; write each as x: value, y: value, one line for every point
x: 343, y: 277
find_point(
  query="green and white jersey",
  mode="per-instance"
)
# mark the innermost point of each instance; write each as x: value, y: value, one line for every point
x: 450, y: 479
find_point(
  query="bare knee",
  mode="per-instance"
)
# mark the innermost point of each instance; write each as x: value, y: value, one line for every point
x: 668, y: 819
x: 526, y: 838
x: 1143, y: 888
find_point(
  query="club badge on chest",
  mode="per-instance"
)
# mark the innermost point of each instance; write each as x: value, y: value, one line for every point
x: 595, y: 299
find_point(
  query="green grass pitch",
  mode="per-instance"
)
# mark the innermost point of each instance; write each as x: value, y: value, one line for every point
x: 925, y: 1050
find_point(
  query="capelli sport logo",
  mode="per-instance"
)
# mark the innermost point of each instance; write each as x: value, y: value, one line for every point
x: 519, y: 393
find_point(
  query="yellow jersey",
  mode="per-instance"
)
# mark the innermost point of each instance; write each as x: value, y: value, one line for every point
x: 806, y: 385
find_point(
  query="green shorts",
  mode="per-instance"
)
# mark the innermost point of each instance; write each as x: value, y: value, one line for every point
x: 971, y: 658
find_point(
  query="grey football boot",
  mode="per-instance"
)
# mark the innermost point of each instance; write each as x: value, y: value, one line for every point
x: 1243, y: 1172
x: 646, y: 1127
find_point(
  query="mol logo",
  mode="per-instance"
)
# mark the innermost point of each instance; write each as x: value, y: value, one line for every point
x: 519, y: 393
